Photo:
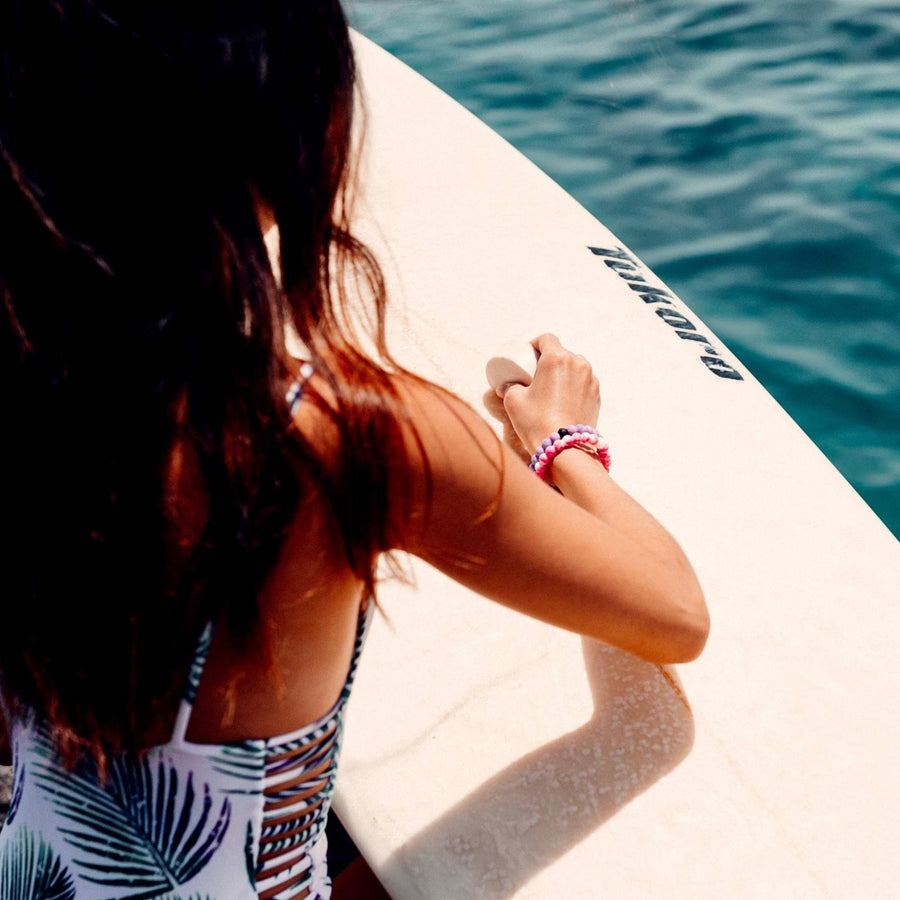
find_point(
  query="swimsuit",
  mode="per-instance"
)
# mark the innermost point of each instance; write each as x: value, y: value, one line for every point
x: 179, y: 821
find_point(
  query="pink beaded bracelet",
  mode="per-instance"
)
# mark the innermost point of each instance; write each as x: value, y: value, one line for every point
x: 581, y: 436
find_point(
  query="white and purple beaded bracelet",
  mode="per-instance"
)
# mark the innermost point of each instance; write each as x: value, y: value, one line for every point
x: 581, y: 436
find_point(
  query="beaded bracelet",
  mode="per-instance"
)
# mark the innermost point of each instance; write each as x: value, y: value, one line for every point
x: 581, y: 436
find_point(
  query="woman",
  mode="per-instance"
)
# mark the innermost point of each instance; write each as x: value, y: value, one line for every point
x: 220, y: 503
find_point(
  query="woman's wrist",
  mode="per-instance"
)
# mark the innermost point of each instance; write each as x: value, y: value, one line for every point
x: 576, y: 436
x: 582, y: 480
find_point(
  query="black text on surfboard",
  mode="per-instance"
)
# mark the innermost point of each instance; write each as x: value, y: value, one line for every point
x: 632, y: 272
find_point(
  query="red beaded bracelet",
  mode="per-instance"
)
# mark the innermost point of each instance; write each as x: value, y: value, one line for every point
x: 581, y: 436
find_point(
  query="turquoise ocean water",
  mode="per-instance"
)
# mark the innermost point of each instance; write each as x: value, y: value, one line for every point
x: 748, y: 152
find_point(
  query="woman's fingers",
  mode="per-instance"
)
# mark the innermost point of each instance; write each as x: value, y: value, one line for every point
x: 547, y: 343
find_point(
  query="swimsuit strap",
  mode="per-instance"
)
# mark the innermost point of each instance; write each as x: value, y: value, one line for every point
x: 295, y: 391
x: 293, y: 397
x: 195, y: 673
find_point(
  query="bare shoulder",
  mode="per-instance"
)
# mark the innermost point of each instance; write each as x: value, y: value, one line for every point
x: 444, y: 427
x: 455, y: 460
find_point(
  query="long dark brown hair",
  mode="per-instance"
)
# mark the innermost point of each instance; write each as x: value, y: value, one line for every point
x: 138, y: 142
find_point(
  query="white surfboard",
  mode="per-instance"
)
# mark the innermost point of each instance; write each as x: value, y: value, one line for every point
x: 488, y: 755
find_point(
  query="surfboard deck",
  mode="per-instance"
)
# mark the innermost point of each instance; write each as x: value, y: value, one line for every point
x: 488, y: 755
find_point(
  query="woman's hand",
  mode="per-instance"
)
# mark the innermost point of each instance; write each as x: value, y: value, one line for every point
x: 564, y: 391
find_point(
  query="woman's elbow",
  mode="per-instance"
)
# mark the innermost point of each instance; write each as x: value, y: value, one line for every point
x: 691, y: 628
x: 679, y: 634
x: 695, y: 636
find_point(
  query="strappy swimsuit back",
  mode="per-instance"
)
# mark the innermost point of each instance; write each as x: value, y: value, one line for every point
x: 181, y: 820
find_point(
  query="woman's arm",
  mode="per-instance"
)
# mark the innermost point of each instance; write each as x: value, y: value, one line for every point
x: 591, y: 560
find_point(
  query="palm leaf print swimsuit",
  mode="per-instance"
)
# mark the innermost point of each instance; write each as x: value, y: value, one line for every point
x: 180, y: 821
